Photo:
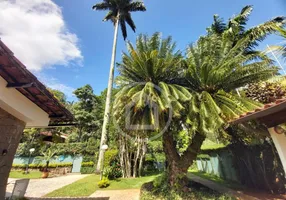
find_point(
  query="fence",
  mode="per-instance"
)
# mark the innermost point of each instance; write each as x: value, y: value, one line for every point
x: 256, y: 166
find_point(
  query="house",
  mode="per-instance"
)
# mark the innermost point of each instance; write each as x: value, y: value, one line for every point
x: 24, y: 102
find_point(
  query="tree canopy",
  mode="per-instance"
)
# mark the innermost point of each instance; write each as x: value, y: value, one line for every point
x: 120, y: 10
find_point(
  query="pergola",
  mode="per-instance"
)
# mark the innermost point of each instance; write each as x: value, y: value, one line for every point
x: 24, y: 102
x: 272, y: 115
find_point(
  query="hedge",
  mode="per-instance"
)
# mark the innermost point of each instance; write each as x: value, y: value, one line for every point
x: 87, y: 164
x: 40, y: 165
x: 87, y: 170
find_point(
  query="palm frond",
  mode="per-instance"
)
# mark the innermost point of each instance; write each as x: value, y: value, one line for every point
x: 123, y: 28
x: 136, y: 6
x: 101, y: 6
x: 130, y: 22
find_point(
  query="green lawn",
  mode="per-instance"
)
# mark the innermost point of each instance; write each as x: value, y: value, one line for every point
x: 19, y: 174
x: 129, y: 183
x: 88, y: 185
x: 208, y: 144
x: 216, y: 179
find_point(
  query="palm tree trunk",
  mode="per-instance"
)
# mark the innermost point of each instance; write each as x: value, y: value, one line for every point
x: 108, y: 97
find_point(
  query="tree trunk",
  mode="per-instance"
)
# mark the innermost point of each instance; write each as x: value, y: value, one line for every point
x: 177, y: 165
x: 144, y: 148
x: 108, y: 98
x: 47, y: 165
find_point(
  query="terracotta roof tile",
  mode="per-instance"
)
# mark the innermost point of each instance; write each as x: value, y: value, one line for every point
x: 14, y: 72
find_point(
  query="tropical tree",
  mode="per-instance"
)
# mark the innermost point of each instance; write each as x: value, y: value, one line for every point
x: 196, y: 92
x: 47, y: 156
x: 281, y: 49
x: 87, y: 112
x: 235, y: 28
x: 119, y: 13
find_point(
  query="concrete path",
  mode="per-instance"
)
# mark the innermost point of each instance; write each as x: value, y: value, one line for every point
x: 239, y: 194
x: 41, y: 187
x: 130, y: 194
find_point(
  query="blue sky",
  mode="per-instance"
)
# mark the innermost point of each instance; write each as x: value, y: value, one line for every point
x: 185, y: 20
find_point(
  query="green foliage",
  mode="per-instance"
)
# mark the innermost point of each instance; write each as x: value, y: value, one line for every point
x: 159, y: 190
x: 88, y: 158
x: 88, y: 115
x: 104, y: 183
x: 87, y: 164
x: 112, y: 172
x: 203, y: 156
x: 60, y: 96
x: 251, y: 164
x: 87, y: 170
x: 41, y: 165
x: 160, y: 181
x: 110, y: 156
x: 120, y: 10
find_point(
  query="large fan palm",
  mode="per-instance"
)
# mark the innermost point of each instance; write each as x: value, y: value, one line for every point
x: 197, y: 91
x: 119, y: 12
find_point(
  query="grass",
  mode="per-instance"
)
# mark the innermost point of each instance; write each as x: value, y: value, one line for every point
x: 216, y: 179
x: 88, y: 185
x: 129, y: 183
x: 209, y: 145
x: 31, y: 175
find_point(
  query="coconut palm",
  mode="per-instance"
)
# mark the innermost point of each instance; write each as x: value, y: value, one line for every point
x: 119, y: 12
x: 197, y: 91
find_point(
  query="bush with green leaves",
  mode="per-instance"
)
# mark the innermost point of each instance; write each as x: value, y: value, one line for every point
x: 87, y: 170
x: 87, y: 164
x: 110, y: 156
x: 112, y: 172
x: 41, y: 165
x: 104, y: 183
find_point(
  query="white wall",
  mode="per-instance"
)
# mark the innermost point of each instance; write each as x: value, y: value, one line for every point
x: 12, y: 101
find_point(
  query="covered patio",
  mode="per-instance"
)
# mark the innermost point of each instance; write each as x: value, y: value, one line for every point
x: 24, y: 103
x: 272, y: 115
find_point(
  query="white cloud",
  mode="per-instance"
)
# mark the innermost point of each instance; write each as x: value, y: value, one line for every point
x: 54, y: 83
x: 37, y: 34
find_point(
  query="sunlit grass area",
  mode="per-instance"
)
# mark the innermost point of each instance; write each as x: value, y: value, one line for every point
x: 88, y: 185
x: 208, y: 144
x: 20, y: 174
x: 216, y: 179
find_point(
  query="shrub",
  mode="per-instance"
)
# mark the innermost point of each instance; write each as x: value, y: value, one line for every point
x: 112, y: 172
x: 41, y: 165
x: 88, y: 158
x: 160, y: 181
x: 110, y: 156
x: 104, y: 183
x: 87, y: 164
x: 87, y: 170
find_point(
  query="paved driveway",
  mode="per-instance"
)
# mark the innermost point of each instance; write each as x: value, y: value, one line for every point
x: 130, y: 194
x: 41, y: 187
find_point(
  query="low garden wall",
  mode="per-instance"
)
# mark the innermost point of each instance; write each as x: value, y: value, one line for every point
x: 59, y: 165
x: 255, y: 166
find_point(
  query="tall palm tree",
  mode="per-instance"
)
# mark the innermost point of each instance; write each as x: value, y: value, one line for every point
x: 119, y: 12
x: 198, y: 91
